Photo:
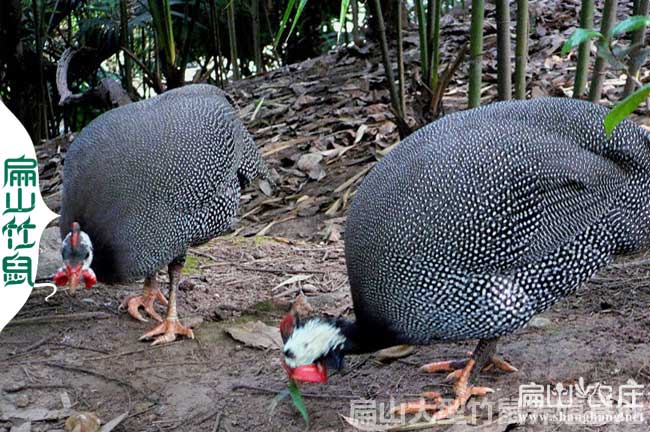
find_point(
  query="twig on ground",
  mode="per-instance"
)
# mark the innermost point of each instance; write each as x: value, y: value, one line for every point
x: 79, y: 347
x: 19, y: 388
x: 59, y: 318
x: 208, y: 417
x: 31, y: 347
x: 110, y: 356
x: 118, y: 381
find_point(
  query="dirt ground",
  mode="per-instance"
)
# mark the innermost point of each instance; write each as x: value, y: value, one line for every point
x: 335, y: 106
x: 94, y: 362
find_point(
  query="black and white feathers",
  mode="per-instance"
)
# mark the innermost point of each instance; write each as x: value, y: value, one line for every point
x: 151, y: 178
x: 486, y: 217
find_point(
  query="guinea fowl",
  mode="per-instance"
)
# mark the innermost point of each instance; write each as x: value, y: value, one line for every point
x: 474, y: 224
x: 146, y: 181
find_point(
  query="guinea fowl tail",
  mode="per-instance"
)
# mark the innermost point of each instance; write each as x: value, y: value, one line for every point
x: 629, y: 218
x: 630, y: 223
x: 253, y: 165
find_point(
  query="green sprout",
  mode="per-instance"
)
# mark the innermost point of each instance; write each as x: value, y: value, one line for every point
x: 293, y: 391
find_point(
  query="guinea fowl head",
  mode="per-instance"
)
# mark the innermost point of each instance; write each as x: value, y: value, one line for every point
x: 310, y: 347
x: 77, y: 254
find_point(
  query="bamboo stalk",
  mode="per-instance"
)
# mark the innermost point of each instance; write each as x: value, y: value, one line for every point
x: 598, y: 77
x: 385, y: 55
x: 641, y: 8
x: 223, y: 72
x: 233, y: 40
x: 125, y: 41
x: 435, y: 45
x: 400, y: 61
x: 422, y: 31
x: 212, y: 10
x: 431, y: 9
x: 401, y: 124
x: 257, y: 50
x: 582, y: 66
x: 521, y: 55
x: 42, y: 104
x: 476, y: 53
x: 355, y: 22
x: 504, y: 66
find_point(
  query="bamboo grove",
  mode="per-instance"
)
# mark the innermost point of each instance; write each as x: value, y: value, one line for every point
x: 64, y: 61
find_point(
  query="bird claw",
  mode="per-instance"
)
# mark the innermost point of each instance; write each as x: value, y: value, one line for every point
x: 454, y: 376
x: 168, y: 329
x: 414, y: 407
x: 462, y: 390
x: 456, y: 367
x: 146, y: 301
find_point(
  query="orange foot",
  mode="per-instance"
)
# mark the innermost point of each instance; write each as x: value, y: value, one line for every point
x: 462, y: 390
x: 169, y: 328
x: 146, y: 301
x: 456, y: 366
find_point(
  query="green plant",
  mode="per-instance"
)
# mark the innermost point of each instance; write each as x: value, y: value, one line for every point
x: 293, y: 391
x: 586, y: 22
x: 626, y: 107
x: 476, y: 53
x: 609, y: 49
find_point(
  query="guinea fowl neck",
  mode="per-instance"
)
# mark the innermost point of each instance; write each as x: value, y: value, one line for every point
x: 362, y: 338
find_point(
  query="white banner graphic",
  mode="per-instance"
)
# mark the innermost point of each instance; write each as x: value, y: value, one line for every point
x: 24, y: 215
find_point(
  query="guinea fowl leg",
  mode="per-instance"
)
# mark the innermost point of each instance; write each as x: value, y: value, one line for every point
x: 481, y: 356
x: 456, y: 366
x: 171, y: 325
x: 150, y: 293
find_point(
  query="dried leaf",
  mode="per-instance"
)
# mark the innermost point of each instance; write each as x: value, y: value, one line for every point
x: 256, y: 334
x: 394, y: 352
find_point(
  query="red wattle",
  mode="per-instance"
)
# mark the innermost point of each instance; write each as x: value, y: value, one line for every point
x: 89, y: 278
x: 311, y: 373
x: 61, y: 278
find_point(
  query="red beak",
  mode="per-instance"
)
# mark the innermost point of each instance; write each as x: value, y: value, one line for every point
x: 74, y: 275
x: 311, y: 373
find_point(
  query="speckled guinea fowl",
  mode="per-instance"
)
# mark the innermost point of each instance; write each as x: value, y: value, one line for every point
x: 147, y: 180
x: 475, y: 223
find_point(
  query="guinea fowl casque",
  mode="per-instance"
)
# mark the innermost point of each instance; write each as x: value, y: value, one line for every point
x: 145, y: 181
x: 474, y: 224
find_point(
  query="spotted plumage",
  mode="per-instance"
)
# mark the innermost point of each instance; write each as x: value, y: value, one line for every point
x: 486, y: 217
x: 149, y: 179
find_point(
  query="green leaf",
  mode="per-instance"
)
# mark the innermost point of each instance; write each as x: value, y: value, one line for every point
x: 342, y: 18
x: 283, y: 23
x: 297, y: 401
x: 631, y: 24
x: 579, y: 36
x: 301, y: 6
x: 603, y: 50
x: 624, y: 108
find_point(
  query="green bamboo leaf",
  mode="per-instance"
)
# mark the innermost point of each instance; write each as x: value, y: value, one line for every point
x: 631, y: 24
x: 579, y: 36
x: 283, y: 23
x: 297, y: 401
x: 342, y: 18
x: 301, y: 6
x: 624, y: 108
